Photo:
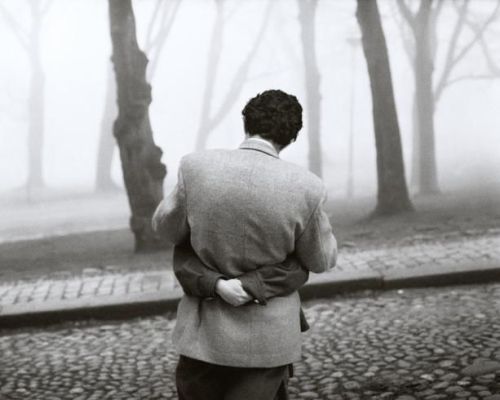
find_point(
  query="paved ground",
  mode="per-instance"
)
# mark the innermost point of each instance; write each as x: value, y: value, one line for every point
x: 418, y: 344
x: 61, y: 215
x: 111, y: 286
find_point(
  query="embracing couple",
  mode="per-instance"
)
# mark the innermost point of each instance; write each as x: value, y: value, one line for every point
x: 248, y: 227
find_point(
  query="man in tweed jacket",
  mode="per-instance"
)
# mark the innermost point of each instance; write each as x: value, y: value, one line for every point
x: 242, y: 209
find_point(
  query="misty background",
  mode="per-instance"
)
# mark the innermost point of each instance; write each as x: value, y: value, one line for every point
x: 199, y: 88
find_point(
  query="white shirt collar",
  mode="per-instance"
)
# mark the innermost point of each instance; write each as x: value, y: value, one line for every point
x: 267, y: 142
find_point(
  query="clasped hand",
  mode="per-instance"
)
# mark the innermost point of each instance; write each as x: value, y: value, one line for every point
x: 232, y: 292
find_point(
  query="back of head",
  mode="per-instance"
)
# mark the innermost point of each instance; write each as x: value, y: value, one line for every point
x: 273, y: 115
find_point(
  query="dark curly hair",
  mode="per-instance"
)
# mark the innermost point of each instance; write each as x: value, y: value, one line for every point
x: 273, y: 115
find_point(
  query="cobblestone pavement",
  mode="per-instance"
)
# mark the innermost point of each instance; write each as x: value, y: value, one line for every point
x: 418, y: 344
x: 113, y: 283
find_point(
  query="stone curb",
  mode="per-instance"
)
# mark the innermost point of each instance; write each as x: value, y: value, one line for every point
x: 319, y: 286
x: 457, y: 274
x: 115, y: 308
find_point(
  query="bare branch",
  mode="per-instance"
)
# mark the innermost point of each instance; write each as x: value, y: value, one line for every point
x: 241, y: 74
x: 408, y: 15
x: 151, y: 25
x: 436, y: 11
x: 434, y: 16
x: 477, y: 36
x: 286, y: 45
x: 214, y: 55
x: 424, y: 10
x: 492, y: 65
x: 16, y: 28
x: 161, y: 38
x: 408, y: 41
x: 167, y: 21
x: 450, y: 60
x: 471, y: 77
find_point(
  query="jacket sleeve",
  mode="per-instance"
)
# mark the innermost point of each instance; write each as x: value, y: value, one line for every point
x: 170, y: 217
x: 264, y: 283
x: 275, y: 280
x: 316, y: 247
x: 195, y: 278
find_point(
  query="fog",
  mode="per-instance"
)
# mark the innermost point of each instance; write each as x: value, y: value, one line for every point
x: 75, y: 51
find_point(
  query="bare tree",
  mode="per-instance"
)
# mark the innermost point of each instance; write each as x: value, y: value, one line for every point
x: 426, y: 178
x: 106, y: 147
x: 354, y: 42
x: 30, y: 42
x: 392, y: 196
x: 214, y: 54
x: 307, y: 14
x: 429, y: 88
x: 159, y: 26
x: 143, y: 170
x: 493, y: 67
x: 210, y: 119
x: 455, y: 53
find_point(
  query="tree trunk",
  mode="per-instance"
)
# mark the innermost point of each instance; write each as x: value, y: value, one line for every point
x: 106, y: 149
x: 392, y: 194
x: 212, y: 66
x: 307, y: 12
x: 415, y: 152
x: 143, y: 170
x: 36, y: 107
x: 427, y: 182
x: 353, y: 42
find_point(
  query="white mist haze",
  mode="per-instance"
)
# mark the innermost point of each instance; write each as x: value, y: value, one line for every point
x: 76, y: 49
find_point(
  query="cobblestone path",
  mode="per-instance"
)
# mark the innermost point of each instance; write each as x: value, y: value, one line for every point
x: 418, y: 344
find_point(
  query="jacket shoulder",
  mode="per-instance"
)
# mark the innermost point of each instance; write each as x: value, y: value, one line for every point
x: 306, y: 181
x: 191, y: 160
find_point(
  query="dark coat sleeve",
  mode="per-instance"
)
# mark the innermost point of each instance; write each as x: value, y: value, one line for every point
x: 195, y: 278
x: 274, y: 280
x: 264, y: 283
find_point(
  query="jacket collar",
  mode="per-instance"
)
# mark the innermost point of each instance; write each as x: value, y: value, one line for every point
x: 259, y: 145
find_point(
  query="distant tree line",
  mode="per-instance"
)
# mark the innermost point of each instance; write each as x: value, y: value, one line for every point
x: 128, y: 94
x: 392, y: 193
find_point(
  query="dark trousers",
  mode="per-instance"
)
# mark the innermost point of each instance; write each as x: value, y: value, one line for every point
x: 198, y: 380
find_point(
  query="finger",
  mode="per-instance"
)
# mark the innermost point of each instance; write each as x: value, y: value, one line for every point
x: 242, y: 294
x: 237, y: 283
x: 248, y: 298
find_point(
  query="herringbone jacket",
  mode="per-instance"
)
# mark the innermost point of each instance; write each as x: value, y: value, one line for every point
x: 244, y: 208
